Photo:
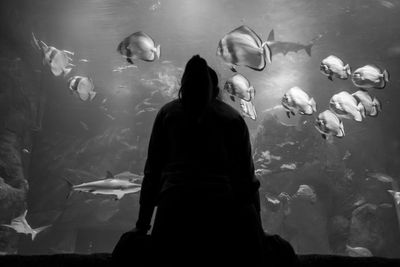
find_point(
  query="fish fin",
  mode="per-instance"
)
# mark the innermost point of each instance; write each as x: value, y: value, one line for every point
x: 308, y: 49
x: 70, y: 185
x: 232, y: 68
x: 36, y: 231
x: 129, y: 60
x: 386, y: 75
x: 69, y: 52
x: 158, y: 51
x: 252, y: 93
x: 288, y: 114
x: 341, y: 127
x: 92, y: 94
x: 271, y: 36
x: 119, y: 196
x: 313, y: 104
x: 347, y: 69
x: 324, y: 136
x: 361, y: 109
x: 267, y: 52
x: 232, y: 98
x: 330, y: 77
x: 67, y: 71
x: 377, y: 104
x: 109, y: 174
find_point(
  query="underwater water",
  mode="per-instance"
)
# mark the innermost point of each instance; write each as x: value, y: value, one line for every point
x: 333, y: 195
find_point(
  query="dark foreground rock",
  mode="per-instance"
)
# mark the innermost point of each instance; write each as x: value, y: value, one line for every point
x: 104, y: 259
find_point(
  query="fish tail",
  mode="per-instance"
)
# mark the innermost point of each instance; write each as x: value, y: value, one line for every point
x: 158, y: 51
x: 347, y: 69
x: 313, y: 104
x: 386, y: 75
x: 69, y: 52
x: 267, y: 52
x: 308, y: 49
x: 67, y: 71
x: 377, y: 104
x: 70, y: 185
x: 361, y: 109
x: 36, y: 42
x: 92, y: 94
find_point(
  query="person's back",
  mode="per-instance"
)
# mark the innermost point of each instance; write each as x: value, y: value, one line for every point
x: 200, y: 174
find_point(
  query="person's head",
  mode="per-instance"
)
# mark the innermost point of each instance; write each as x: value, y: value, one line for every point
x: 197, y: 88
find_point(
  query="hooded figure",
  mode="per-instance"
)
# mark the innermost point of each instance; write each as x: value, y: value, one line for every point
x: 199, y: 173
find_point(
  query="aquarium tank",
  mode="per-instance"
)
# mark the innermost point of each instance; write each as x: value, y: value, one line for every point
x: 316, y: 81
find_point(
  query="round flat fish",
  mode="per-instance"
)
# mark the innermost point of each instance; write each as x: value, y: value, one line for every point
x: 346, y: 106
x: 139, y: 45
x: 328, y: 124
x: 370, y: 76
x: 333, y: 66
x: 243, y: 47
x: 239, y: 86
x: 371, y: 104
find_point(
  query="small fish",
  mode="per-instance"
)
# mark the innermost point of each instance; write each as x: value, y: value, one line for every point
x: 82, y: 87
x: 358, y: 251
x: 371, y: 104
x: 110, y: 117
x: 248, y: 109
x: 307, y: 192
x: 104, y: 101
x: 386, y: 205
x: 370, y: 76
x: 26, y: 151
x: 286, y: 143
x: 328, y: 124
x: 243, y: 47
x: 346, y: 106
x: 84, y: 60
x: 240, y: 87
x: 139, y: 45
x: 291, y: 166
x: 84, y: 125
x: 396, y: 196
x: 59, y: 61
x: 334, y: 66
x: 295, y: 99
x: 108, y: 186
x: 20, y: 225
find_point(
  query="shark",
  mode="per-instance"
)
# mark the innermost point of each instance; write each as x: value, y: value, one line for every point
x: 280, y: 47
x: 20, y: 225
x: 119, y: 186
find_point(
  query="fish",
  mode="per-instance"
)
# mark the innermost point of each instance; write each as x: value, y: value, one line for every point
x: 291, y: 166
x: 328, y: 124
x: 358, y: 251
x: 370, y: 76
x: 248, y: 109
x: 240, y: 87
x: 384, y: 178
x: 306, y: 192
x: 396, y: 196
x: 295, y: 99
x: 139, y: 45
x: 59, y: 61
x: 371, y: 104
x: 108, y: 186
x: 243, y: 47
x: 84, y: 60
x: 110, y: 117
x: 279, y: 47
x: 20, y: 225
x: 82, y: 87
x: 272, y: 203
x: 346, y: 155
x: 345, y: 106
x: 26, y: 151
x: 334, y: 66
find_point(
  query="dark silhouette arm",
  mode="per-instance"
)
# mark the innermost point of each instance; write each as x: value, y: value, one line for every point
x: 151, y: 184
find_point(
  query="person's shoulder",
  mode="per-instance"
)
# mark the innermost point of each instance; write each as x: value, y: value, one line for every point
x: 171, y: 105
x: 227, y: 110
